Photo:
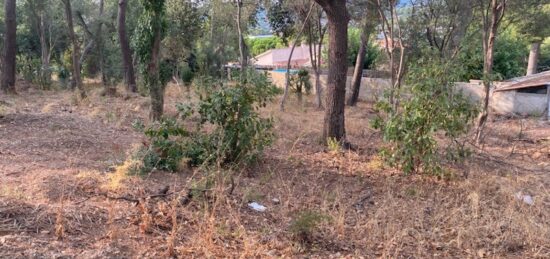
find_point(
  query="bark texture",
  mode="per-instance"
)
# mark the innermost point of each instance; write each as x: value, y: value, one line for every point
x: 532, y: 66
x: 129, y: 74
x: 10, y: 48
x: 338, y: 18
x: 242, y: 46
x: 107, y: 89
x: 76, y: 82
x: 491, y: 22
x: 41, y: 23
x: 353, y: 97
x: 156, y: 89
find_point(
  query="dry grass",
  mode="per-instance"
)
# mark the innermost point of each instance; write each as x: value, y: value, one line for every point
x: 374, y: 211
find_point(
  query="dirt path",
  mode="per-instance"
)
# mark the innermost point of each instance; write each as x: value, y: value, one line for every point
x: 45, y: 145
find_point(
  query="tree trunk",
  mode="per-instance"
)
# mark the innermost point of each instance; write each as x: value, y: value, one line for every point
x: 318, y: 89
x: 315, y: 57
x: 338, y: 18
x: 533, y: 58
x: 242, y: 46
x: 489, y: 37
x: 76, y: 82
x: 45, y: 71
x: 10, y: 48
x: 39, y: 12
x: 318, y: 59
x: 548, y: 102
x: 358, y: 71
x: 107, y: 89
x: 129, y: 75
x: 156, y: 89
x: 287, y: 74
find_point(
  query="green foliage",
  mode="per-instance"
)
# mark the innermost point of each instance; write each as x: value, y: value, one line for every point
x: 187, y: 75
x: 165, y: 151
x: 532, y: 21
x: 354, y: 42
x: 229, y: 129
x: 261, y: 45
x: 433, y: 107
x: 544, y: 61
x: 151, y: 21
x: 334, y: 145
x: 509, y: 57
x: 240, y: 131
x: 300, y: 82
x: 281, y: 20
x: 305, y: 224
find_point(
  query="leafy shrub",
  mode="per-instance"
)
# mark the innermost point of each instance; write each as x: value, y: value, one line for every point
x: 229, y: 129
x: 300, y: 82
x: 187, y: 75
x: 334, y: 146
x: 433, y: 106
x: 260, y: 45
x: 509, y: 57
x: 373, y: 51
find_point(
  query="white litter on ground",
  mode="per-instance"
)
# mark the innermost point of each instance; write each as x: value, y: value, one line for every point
x: 525, y: 198
x: 257, y: 207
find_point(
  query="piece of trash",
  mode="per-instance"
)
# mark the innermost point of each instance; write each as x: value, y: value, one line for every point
x: 257, y: 207
x: 276, y: 201
x: 525, y: 198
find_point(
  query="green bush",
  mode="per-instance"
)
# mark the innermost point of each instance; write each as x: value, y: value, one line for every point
x: 261, y: 45
x: 354, y: 42
x: 229, y: 129
x: 305, y: 224
x: 299, y: 82
x: 509, y: 57
x: 187, y: 75
x: 432, y: 107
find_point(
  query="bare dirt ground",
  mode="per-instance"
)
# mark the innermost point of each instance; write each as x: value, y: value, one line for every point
x: 64, y: 192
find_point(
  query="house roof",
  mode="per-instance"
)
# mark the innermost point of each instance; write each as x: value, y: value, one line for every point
x: 280, y: 56
x: 535, y: 80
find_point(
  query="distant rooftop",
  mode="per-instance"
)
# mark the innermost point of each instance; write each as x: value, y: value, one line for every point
x: 539, y: 79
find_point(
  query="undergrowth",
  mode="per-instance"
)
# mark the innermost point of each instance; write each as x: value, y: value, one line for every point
x: 224, y: 128
x: 429, y: 106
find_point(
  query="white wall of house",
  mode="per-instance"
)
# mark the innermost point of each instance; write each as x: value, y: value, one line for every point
x: 372, y: 89
x: 507, y: 101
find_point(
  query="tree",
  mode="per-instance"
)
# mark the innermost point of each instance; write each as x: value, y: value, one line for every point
x: 76, y: 82
x: 7, y: 83
x: 280, y: 20
x: 316, y: 36
x: 393, y: 37
x: 148, y: 39
x: 40, y: 18
x: 107, y: 89
x: 338, y: 18
x: 185, y: 27
x: 532, y: 23
x: 242, y: 45
x: 288, y: 66
x: 442, y: 23
x: 367, y: 28
x: 129, y: 75
x: 492, y: 14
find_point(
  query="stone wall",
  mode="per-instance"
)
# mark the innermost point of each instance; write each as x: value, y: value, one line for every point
x: 506, y: 102
x: 372, y: 89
